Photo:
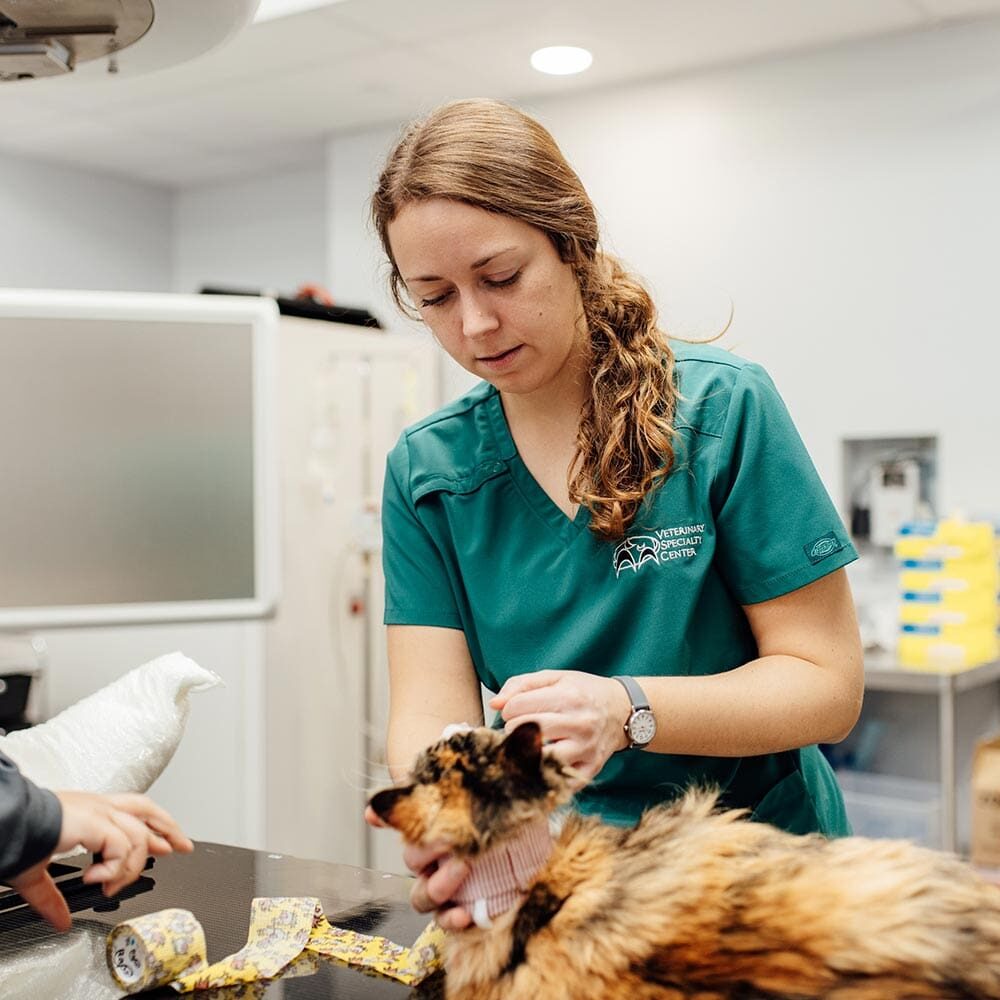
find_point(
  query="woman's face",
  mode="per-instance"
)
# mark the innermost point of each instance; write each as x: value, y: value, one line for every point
x: 493, y: 291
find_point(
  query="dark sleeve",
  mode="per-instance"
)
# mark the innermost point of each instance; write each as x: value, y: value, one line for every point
x: 30, y: 820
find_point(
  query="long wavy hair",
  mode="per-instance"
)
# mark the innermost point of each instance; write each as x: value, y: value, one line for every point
x: 490, y: 155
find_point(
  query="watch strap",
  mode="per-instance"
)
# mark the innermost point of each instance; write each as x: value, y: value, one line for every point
x: 635, y: 693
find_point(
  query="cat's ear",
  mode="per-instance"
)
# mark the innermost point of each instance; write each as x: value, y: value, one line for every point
x: 385, y: 801
x: 522, y: 749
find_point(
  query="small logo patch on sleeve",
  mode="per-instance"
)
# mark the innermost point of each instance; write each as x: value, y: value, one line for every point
x: 818, y: 549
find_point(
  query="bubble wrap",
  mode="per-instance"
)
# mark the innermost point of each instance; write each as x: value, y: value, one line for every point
x: 118, y: 739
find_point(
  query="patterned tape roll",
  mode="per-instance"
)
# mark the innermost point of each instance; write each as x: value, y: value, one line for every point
x: 155, y: 949
x: 168, y: 947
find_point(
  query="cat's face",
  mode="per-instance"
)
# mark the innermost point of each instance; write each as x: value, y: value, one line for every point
x: 475, y: 788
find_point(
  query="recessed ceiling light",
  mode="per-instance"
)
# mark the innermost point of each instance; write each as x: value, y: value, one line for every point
x: 561, y: 60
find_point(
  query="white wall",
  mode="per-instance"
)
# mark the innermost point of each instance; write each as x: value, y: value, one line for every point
x: 214, y: 784
x: 263, y: 232
x: 846, y: 203
x: 358, y: 269
x: 66, y: 228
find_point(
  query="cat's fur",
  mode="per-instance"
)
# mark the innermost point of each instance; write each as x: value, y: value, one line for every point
x: 693, y: 903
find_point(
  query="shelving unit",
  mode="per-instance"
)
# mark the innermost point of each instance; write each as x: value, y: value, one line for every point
x: 882, y: 673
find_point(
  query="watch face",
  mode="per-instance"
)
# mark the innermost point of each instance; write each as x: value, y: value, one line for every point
x: 642, y: 726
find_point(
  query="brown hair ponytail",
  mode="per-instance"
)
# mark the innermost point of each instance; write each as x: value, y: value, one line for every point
x: 490, y: 155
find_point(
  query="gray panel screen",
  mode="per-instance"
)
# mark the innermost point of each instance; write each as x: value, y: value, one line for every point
x: 126, y: 450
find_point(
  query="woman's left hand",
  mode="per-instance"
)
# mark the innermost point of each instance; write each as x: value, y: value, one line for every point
x: 582, y: 716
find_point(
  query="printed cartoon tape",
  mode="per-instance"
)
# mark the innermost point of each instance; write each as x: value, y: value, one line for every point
x: 155, y: 949
x: 168, y: 948
x: 409, y: 965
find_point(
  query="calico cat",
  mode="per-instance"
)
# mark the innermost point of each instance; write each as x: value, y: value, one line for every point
x: 693, y: 903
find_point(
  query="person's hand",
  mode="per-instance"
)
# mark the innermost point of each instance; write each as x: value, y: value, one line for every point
x: 125, y: 828
x: 438, y: 876
x: 582, y: 715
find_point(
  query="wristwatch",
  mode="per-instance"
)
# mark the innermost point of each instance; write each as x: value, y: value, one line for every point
x: 640, y: 727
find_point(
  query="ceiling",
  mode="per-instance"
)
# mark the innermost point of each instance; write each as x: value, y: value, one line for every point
x: 270, y: 97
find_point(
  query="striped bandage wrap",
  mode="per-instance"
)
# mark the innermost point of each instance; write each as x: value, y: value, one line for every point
x: 501, y: 876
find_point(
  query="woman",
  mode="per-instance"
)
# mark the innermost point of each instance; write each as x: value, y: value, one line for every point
x: 605, y: 505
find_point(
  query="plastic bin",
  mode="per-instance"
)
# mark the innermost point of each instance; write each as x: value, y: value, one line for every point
x: 886, y: 805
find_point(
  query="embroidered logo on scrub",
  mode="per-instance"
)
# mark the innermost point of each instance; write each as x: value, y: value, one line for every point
x: 664, y: 545
x: 821, y: 547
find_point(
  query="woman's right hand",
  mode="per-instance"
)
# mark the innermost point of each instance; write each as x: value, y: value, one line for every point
x: 438, y: 876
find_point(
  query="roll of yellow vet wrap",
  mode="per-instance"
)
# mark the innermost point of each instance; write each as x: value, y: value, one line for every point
x: 169, y: 948
x: 155, y: 949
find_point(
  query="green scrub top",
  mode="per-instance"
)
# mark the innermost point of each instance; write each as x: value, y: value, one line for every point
x: 472, y: 542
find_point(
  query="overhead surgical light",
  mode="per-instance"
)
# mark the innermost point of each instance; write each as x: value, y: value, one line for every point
x: 561, y: 60
x: 40, y: 38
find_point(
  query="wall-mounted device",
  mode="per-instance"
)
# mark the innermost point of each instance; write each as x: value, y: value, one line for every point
x: 888, y: 481
x: 893, y: 498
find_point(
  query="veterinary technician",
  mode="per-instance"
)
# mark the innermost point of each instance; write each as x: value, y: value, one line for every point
x: 620, y: 534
